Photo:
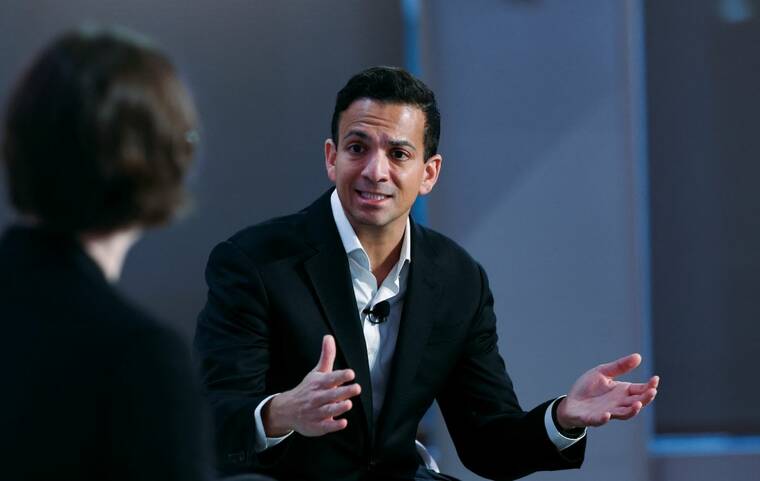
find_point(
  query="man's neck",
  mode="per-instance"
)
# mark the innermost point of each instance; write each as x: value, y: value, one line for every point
x: 382, y: 245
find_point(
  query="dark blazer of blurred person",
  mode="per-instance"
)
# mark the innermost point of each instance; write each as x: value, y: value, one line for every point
x: 97, y: 139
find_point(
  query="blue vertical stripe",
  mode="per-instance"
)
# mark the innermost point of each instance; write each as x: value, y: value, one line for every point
x: 410, y: 10
x: 638, y: 131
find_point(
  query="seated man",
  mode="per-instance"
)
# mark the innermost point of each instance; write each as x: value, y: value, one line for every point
x: 403, y: 315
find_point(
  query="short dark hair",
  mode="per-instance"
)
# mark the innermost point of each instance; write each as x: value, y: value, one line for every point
x: 99, y: 134
x: 392, y: 85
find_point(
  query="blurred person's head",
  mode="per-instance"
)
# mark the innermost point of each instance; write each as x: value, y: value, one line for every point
x: 391, y: 85
x: 98, y: 135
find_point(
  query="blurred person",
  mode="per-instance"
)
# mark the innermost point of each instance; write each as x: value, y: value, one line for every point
x: 327, y: 334
x: 96, y: 143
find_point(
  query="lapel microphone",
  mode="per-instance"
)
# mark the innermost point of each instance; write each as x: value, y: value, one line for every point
x: 379, y: 313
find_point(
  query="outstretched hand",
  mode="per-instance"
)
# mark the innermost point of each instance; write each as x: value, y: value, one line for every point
x: 311, y: 407
x: 596, y: 397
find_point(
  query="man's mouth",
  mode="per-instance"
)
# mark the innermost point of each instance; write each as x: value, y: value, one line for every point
x: 372, y: 195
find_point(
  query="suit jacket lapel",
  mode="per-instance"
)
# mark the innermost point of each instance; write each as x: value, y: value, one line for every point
x: 330, y: 276
x: 417, y: 318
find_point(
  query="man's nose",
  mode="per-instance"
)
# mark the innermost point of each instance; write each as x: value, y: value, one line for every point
x: 376, y: 168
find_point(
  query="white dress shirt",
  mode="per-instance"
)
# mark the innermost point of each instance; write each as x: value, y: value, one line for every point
x: 381, y: 338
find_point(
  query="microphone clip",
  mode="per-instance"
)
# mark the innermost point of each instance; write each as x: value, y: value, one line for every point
x: 378, y: 314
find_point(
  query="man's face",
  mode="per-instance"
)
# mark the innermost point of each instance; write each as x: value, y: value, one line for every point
x: 378, y: 166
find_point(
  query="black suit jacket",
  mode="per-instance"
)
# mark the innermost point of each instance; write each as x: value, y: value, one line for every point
x: 92, y: 388
x: 276, y: 288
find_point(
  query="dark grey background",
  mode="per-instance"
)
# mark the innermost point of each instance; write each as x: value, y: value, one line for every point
x: 704, y: 118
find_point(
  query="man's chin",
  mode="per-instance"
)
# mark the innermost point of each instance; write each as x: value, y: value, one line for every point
x: 369, y: 220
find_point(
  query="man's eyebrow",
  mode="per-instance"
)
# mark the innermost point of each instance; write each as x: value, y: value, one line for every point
x: 402, y: 143
x: 357, y: 133
x: 392, y: 142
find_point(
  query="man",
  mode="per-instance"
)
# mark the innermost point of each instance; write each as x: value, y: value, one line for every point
x: 404, y: 316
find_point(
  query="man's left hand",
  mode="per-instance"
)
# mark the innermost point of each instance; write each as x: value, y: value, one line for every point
x: 596, y: 397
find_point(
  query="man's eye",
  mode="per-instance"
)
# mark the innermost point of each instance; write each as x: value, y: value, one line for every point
x: 399, y: 155
x: 355, y: 148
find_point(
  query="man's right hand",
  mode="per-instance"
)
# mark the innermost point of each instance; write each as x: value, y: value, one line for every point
x: 310, y: 408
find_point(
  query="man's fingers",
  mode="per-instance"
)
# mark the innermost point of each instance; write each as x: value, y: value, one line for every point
x: 644, y: 398
x: 627, y: 412
x: 620, y: 366
x: 648, y: 396
x: 327, y: 358
x: 335, y: 409
x: 645, y: 392
x: 330, y: 425
x: 324, y: 426
x: 336, y: 378
x: 338, y: 394
x: 599, y: 420
x: 640, y: 388
x: 636, y: 389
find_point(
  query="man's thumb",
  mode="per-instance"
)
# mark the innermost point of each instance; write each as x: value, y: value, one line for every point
x: 327, y: 358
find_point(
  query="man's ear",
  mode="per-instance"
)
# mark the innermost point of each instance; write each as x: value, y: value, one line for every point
x: 331, y: 152
x: 430, y: 175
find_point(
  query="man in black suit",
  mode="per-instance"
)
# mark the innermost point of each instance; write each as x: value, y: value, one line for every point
x: 95, y: 150
x: 404, y: 314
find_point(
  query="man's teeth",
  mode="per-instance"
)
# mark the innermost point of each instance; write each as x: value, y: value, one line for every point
x: 370, y: 196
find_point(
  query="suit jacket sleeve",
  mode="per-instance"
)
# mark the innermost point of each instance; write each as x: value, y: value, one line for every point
x: 156, y: 417
x: 494, y: 437
x: 232, y: 341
